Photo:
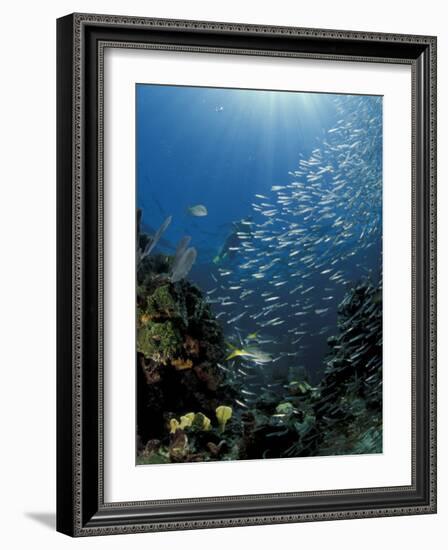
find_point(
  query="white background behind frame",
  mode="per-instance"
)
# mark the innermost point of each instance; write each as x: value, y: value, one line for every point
x: 123, y: 481
x: 28, y: 507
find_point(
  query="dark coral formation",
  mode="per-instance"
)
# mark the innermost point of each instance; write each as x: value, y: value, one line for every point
x: 179, y: 346
x: 343, y: 414
x: 349, y: 412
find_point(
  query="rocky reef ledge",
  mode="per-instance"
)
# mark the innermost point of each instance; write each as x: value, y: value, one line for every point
x: 179, y: 347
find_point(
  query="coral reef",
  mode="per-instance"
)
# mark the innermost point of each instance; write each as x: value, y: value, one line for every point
x: 179, y: 346
x: 187, y: 405
x: 343, y: 413
x: 349, y: 413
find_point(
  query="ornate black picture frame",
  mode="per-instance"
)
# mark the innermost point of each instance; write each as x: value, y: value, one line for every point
x: 81, y: 508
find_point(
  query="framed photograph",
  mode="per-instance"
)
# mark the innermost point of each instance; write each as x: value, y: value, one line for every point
x: 246, y: 274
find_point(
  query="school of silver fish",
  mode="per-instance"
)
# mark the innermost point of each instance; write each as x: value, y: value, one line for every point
x: 306, y: 242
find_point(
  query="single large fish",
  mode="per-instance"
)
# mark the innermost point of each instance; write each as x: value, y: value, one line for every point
x: 198, y: 210
x: 255, y: 354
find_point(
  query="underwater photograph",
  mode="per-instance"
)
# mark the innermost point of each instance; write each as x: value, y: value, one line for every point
x: 258, y: 274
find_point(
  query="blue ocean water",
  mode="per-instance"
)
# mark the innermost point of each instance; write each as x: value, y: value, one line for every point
x: 291, y: 184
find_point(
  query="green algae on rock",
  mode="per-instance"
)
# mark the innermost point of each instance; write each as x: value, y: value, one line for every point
x: 160, y: 342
